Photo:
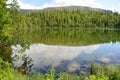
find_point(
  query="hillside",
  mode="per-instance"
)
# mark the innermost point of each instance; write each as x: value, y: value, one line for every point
x: 65, y: 26
x: 77, y: 8
x: 68, y: 8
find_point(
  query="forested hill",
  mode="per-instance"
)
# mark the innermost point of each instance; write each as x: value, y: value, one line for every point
x: 69, y: 17
x: 77, y: 8
x: 68, y: 8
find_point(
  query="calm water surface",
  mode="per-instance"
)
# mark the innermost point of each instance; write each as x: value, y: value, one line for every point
x: 71, y: 58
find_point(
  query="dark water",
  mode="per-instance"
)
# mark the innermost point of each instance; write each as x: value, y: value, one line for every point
x: 71, y: 58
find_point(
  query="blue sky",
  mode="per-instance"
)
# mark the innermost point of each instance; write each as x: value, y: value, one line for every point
x: 113, y: 5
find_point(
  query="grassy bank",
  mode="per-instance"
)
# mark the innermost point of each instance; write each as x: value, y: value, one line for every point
x: 98, y: 72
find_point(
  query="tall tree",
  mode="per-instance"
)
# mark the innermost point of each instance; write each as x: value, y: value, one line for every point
x: 5, y: 36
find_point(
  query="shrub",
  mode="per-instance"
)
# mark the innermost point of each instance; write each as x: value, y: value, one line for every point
x: 98, y: 76
x: 8, y: 73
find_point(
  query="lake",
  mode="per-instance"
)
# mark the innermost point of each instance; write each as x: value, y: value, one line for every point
x: 70, y: 58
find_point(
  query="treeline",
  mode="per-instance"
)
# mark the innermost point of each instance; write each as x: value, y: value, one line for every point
x: 63, y: 18
x: 66, y: 27
x: 15, y: 27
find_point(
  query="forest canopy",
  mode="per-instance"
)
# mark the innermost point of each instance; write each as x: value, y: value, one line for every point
x: 69, y: 18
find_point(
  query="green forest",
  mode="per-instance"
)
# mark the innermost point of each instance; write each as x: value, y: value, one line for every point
x: 58, y: 26
x: 67, y: 26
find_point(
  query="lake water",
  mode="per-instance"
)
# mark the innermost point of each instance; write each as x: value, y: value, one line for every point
x: 71, y: 58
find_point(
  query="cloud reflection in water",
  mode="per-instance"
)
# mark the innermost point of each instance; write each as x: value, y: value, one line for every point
x: 53, y: 55
x: 47, y: 55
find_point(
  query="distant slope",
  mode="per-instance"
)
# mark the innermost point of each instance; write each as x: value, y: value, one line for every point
x: 68, y: 8
x: 77, y: 8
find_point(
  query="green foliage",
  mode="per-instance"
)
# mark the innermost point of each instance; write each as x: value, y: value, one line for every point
x: 52, y: 75
x: 98, y: 76
x: 68, y: 76
x: 4, y: 24
x: 66, y: 27
x: 111, y: 72
x: 71, y: 19
x: 53, y: 27
x: 8, y: 73
x: 8, y: 17
x: 5, y: 27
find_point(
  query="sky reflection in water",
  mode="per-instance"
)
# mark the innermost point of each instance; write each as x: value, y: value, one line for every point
x: 72, y: 56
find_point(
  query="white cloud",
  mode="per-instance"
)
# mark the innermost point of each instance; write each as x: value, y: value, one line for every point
x: 56, y: 3
x: 27, y: 5
x: 117, y: 9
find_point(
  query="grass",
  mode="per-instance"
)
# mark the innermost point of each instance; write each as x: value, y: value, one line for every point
x: 8, y: 73
x: 99, y: 72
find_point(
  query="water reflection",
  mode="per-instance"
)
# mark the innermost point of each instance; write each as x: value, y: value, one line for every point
x: 72, y: 57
